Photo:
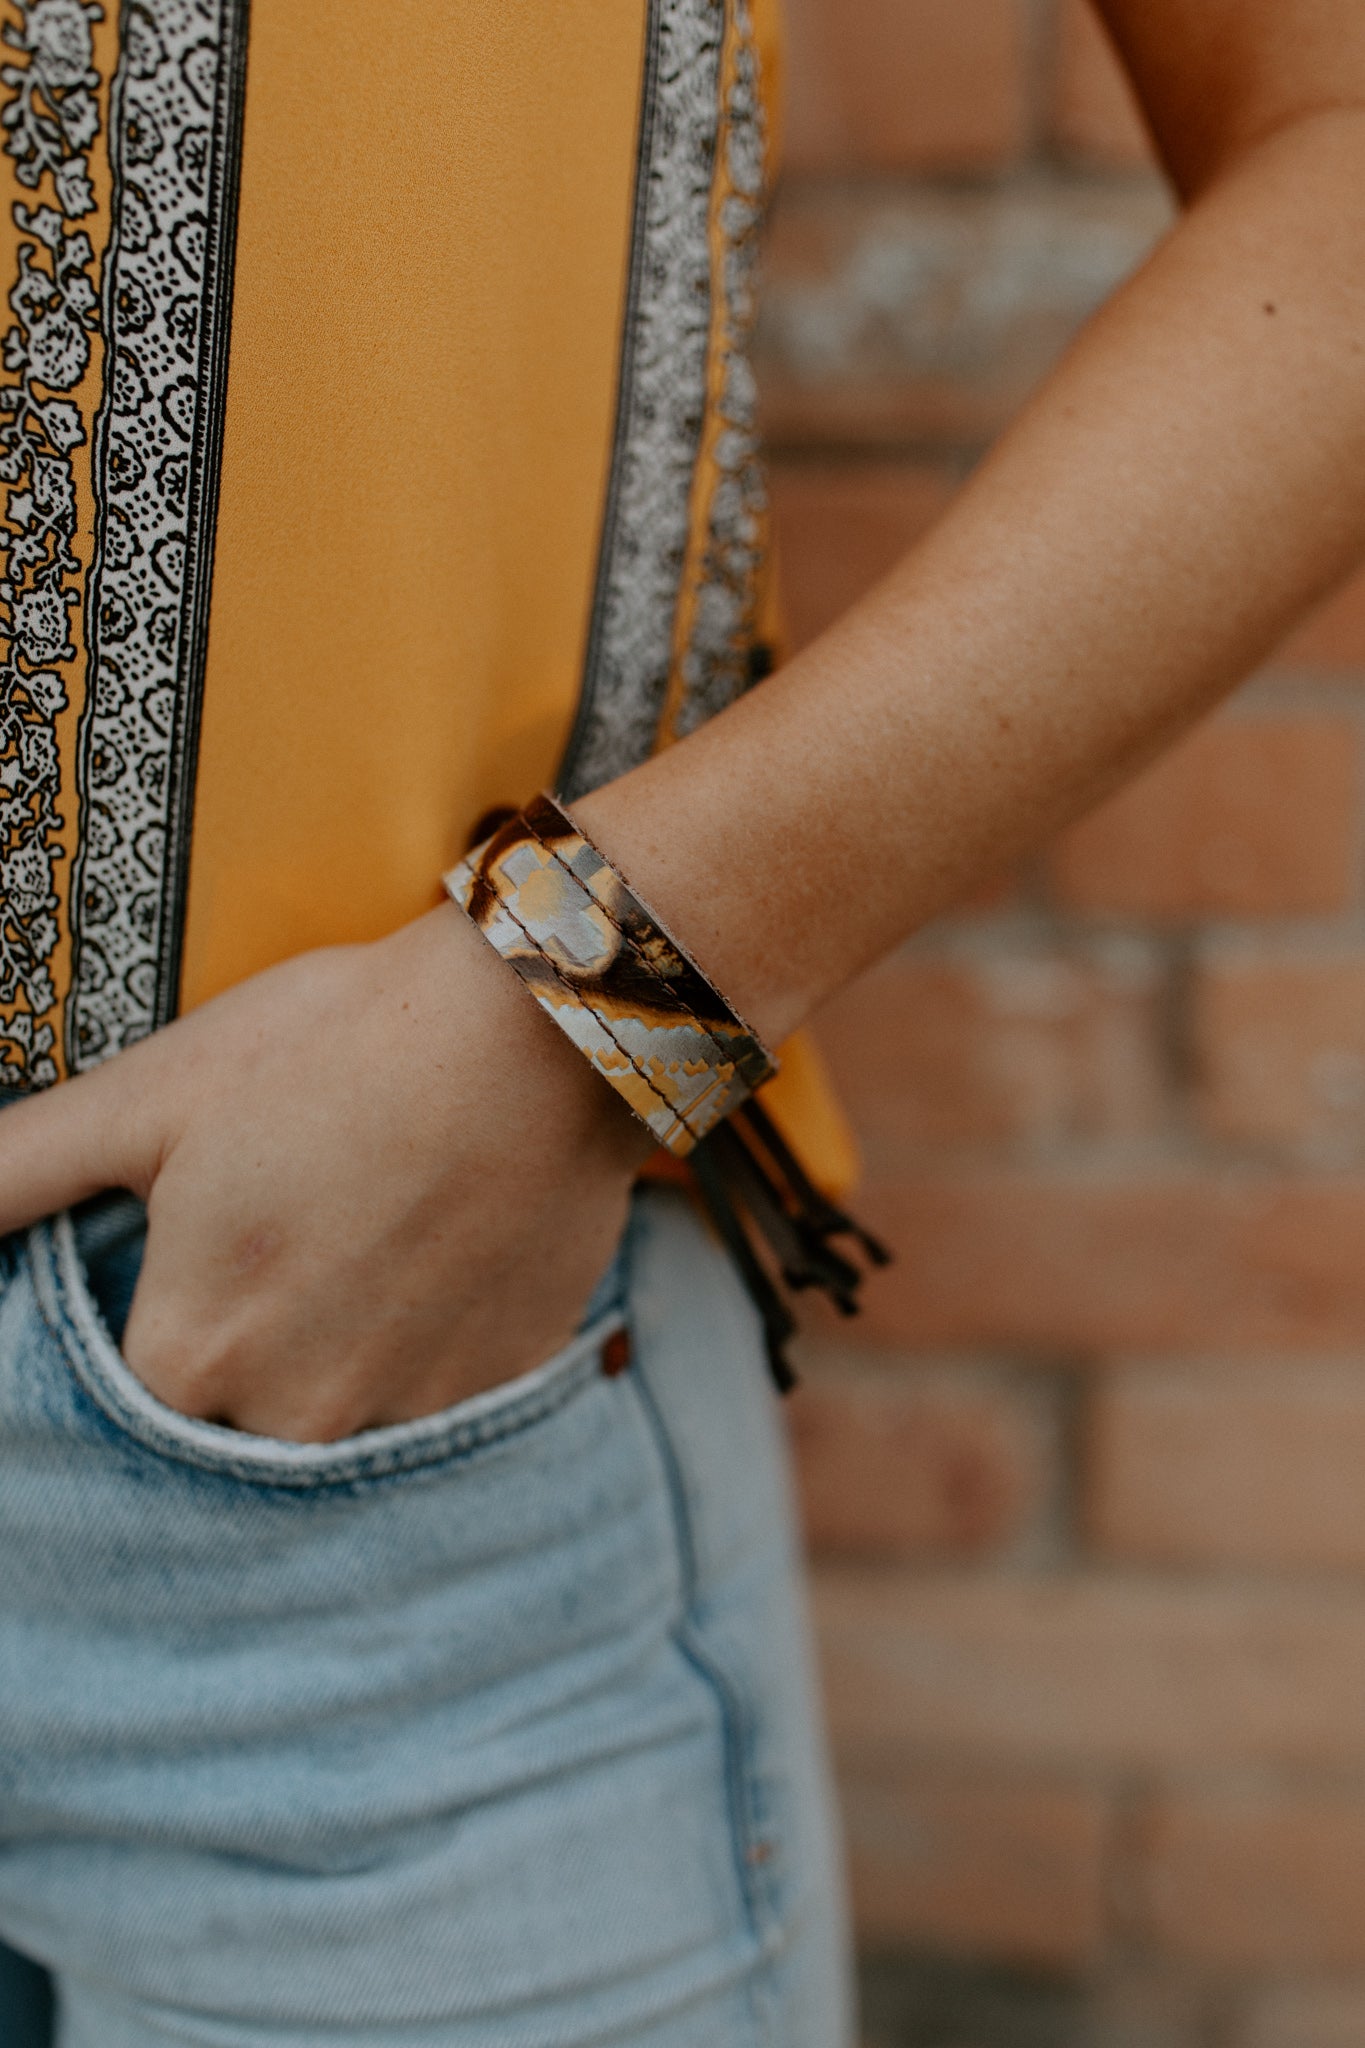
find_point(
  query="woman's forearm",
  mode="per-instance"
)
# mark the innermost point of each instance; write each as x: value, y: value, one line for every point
x: 1188, y: 480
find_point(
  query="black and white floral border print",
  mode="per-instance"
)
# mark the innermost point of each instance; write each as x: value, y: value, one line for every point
x: 662, y: 398
x: 175, y: 135
x: 716, y: 663
x: 175, y: 147
x: 50, y: 118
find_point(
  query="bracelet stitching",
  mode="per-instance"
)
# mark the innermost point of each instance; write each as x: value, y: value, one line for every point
x: 721, y: 1051
x: 624, y: 1051
x: 751, y: 1042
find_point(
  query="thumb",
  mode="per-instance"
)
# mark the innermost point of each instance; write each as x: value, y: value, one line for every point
x: 72, y: 1141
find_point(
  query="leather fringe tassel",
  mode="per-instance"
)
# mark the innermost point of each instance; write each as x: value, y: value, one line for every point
x: 749, y: 1175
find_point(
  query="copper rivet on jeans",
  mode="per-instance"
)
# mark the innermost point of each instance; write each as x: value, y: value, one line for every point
x: 616, y: 1353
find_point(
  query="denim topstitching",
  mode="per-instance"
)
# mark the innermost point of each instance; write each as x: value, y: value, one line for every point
x: 751, y: 1843
x: 453, y: 1435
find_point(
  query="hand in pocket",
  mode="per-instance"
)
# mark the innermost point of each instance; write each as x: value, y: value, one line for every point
x: 378, y: 1181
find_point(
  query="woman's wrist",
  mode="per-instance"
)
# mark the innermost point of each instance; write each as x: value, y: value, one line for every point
x: 665, y: 865
x: 441, y: 963
x: 610, y: 975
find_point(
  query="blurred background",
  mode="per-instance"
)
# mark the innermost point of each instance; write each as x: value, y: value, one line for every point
x: 1085, y: 1490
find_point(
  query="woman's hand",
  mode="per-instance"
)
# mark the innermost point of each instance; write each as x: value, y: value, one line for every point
x: 378, y: 1180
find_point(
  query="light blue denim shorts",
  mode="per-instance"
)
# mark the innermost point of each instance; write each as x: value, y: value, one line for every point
x: 494, y: 1730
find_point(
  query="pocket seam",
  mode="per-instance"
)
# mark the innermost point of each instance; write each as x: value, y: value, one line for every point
x: 751, y: 1842
x: 453, y: 1435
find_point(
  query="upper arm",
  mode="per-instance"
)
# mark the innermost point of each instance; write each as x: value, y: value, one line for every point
x: 1215, y: 76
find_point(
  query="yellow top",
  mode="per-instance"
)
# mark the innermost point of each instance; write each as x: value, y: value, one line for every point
x: 379, y: 433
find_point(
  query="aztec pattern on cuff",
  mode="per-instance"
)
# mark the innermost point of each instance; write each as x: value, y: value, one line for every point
x: 598, y: 962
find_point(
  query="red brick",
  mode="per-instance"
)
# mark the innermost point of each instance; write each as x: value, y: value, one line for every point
x: 1216, y: 1263
x: 987, y: 1868
x: 1001, y: 1047
x: 841, y: 526
x: 1333, y: 639
x: 985, y: 1714
x: 901, y: 1465
x: 1265, y: 1881
x: 887, y: 406
x: 1242, y: 1465
x: 1142, y: 2003
x: 926, y: 316
x: 905, y: 84
x: 1095, y: 113
x: 1281, y: 1049
x: 861, y: 342
x: 1250, y: 817
x: 1305, y: 2016
x: 1090, y: 1671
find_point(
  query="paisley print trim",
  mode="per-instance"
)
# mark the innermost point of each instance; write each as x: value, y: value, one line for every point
x: 175, y: 148
x: 50, y: 118
x: 698, y: 210
x: 662, y: 403
x: 713, y: 664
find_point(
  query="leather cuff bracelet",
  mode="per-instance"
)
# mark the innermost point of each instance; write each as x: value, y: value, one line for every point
x: 599, y: 963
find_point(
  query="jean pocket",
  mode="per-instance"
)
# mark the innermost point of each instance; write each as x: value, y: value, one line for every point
x: 75, y: 1306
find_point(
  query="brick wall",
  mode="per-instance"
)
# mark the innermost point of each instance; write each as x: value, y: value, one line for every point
x: 1086, y: 1489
